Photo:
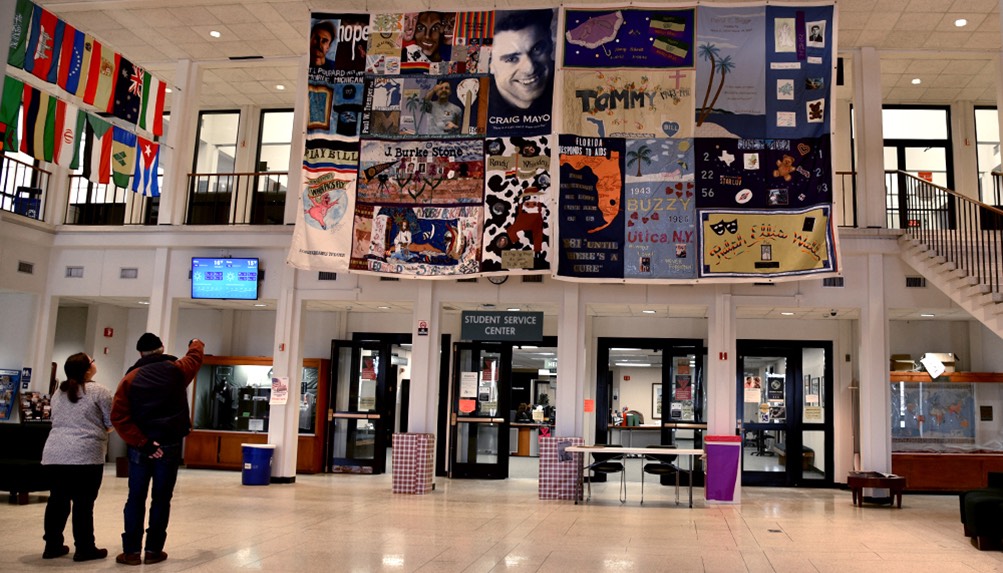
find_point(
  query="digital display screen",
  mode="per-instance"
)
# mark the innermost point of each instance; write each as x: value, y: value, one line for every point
x: 225, y: 278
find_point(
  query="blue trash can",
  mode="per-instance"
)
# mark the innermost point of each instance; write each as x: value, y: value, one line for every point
x: 257, y: 464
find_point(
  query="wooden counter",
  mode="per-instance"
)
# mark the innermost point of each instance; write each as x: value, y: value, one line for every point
x: 945, y: 472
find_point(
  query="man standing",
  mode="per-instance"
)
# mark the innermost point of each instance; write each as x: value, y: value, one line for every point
x: 150, y: 412
x: 522, y: 70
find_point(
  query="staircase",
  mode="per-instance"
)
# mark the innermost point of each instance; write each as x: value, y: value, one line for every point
x: 955, y: 242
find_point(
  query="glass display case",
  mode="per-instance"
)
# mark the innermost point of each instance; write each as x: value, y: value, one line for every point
x: 230, y: 407
x: 236, y: 396
x: 946, y: 433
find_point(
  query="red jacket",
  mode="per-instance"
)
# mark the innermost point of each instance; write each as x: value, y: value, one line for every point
x: 151, y: 402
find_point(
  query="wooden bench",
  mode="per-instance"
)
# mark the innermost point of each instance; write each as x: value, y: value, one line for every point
x: 807, y: 455
x: 21, y: 470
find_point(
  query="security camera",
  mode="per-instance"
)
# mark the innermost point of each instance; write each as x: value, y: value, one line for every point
x: 832, y: 312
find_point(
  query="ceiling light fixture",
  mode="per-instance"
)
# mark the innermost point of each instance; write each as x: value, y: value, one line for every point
x: 280, y: 87
x: 513, y: 309
x: 648, y: 311
x: 215, y: 33
x: 260, y: 305
x: 916, y: 81
x: 169, y: 90
x: 633, y: 364
x: 146, y: 302
x: 383, y: 307
x: 787, y: 313
x: 927, y: 315
x: 961, y: 22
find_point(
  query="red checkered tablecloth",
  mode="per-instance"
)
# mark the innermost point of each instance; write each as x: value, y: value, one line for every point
x: 413, y: 459
x: 559, y: 469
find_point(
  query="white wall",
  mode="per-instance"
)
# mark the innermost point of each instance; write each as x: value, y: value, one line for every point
x: 635, y: 394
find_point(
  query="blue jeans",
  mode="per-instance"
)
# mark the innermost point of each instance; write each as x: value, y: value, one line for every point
x: 163, y: 472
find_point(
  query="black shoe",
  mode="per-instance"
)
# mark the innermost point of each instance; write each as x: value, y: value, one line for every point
x: 154, y: 557
x: 129, y: 559
x: 90, y: 554
x: 55, y: 552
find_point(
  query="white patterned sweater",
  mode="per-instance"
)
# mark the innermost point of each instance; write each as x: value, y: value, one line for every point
x: 79, y: 433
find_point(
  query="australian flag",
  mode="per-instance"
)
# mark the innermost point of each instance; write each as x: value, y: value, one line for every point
x: 128, y: 94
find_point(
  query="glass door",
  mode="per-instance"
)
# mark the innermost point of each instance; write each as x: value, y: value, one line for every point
x: 357, y: 437
x: 479, y: 408
x: 783, y: 398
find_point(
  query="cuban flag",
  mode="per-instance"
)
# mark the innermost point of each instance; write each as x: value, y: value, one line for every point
x: 144, y: 180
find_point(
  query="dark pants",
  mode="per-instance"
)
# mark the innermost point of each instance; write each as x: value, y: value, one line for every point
x: 163, y: 472
x: 77, y: 486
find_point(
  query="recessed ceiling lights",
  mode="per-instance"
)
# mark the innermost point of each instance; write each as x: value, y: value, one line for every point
x: 787, y: 313
x: 513, y: 309
x: 927, y: 315
x: 916, y: 81
x: 169, y: 90
x: 260, y: 304
x: 280, y: 87
x: 961, y: 22
x: 648, y: 311
x: 215, y: 33
x: 383, y: 307
x: 146, y: 302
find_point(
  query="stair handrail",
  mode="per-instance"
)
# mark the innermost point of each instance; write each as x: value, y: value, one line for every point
x: 962, y: 230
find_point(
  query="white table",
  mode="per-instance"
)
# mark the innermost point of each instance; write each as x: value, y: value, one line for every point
x: 626, y: 451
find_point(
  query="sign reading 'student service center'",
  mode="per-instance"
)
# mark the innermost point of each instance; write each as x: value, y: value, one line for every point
x: 502, y: 326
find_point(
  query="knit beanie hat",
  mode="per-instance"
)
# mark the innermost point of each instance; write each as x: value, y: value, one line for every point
x: 148, y: 342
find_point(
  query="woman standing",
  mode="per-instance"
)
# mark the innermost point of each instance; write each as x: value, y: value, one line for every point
x: 75, y: 454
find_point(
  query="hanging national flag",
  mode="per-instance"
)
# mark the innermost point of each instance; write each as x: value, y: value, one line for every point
x: 10, y: 104
x: 144, y: 180
x: 97, y: 149
x: 128, y: 91
x: 71, y: 58
x: 101, y: 78
x: 44, y: 44
x: 151, y: 116
x: 85, y: 65
x: 20, y: 30
x: 123, y: 156
x: 39, y: 117
x: 69, y: 131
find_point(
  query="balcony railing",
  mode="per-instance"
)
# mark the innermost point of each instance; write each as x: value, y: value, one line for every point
x: 846, y: 198
x: 105, y: 204
x: 237, y: 198
x: 962, y: 230
x: 22, y: 188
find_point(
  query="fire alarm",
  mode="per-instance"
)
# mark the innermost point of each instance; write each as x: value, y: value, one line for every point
x: 109, y: 332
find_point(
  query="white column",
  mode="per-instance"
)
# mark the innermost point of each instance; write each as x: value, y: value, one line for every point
x: 869, y: 135
x: 424, y: 361
x: 875, y: 427
x: 571, y: 373
x: 287, y: 362
x: 721, y: 378
x: 162, y: 313
x: 180, y: 142
x: 966, y: 162
x: 298, y: 145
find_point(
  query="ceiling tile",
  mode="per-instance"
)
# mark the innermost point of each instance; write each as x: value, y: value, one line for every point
x: 902, y: 40
x: 931, y: 67
x: 181, y: 34
x: 233, y: 13
x: 194, y: 15
x: 894, y: 65
x: 917, y: 21
x: 251, y: 87
x: 255, y: 31
x: 926, y: 5
x: 944, y: 40
x: 941, y: 94
x: 882, y: 20
x: 853, y: 21
x: 234, y: 75
x: 983, y: 41
x: 977, y: 6
x: 158, y: 18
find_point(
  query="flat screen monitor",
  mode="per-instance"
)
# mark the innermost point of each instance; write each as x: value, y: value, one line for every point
x: 224, y: 278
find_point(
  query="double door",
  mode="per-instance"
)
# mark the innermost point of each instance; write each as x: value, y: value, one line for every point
x: 362, y: 404
x: 784, y: 401
x: 479, y: 410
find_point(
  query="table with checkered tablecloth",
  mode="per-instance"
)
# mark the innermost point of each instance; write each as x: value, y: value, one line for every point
x: 413, y: 459
x: 559, y: 469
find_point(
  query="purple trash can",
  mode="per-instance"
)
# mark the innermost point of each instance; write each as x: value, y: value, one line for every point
x: 723, y: 456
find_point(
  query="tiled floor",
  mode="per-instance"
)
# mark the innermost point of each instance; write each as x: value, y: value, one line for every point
x: 349, y: 523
